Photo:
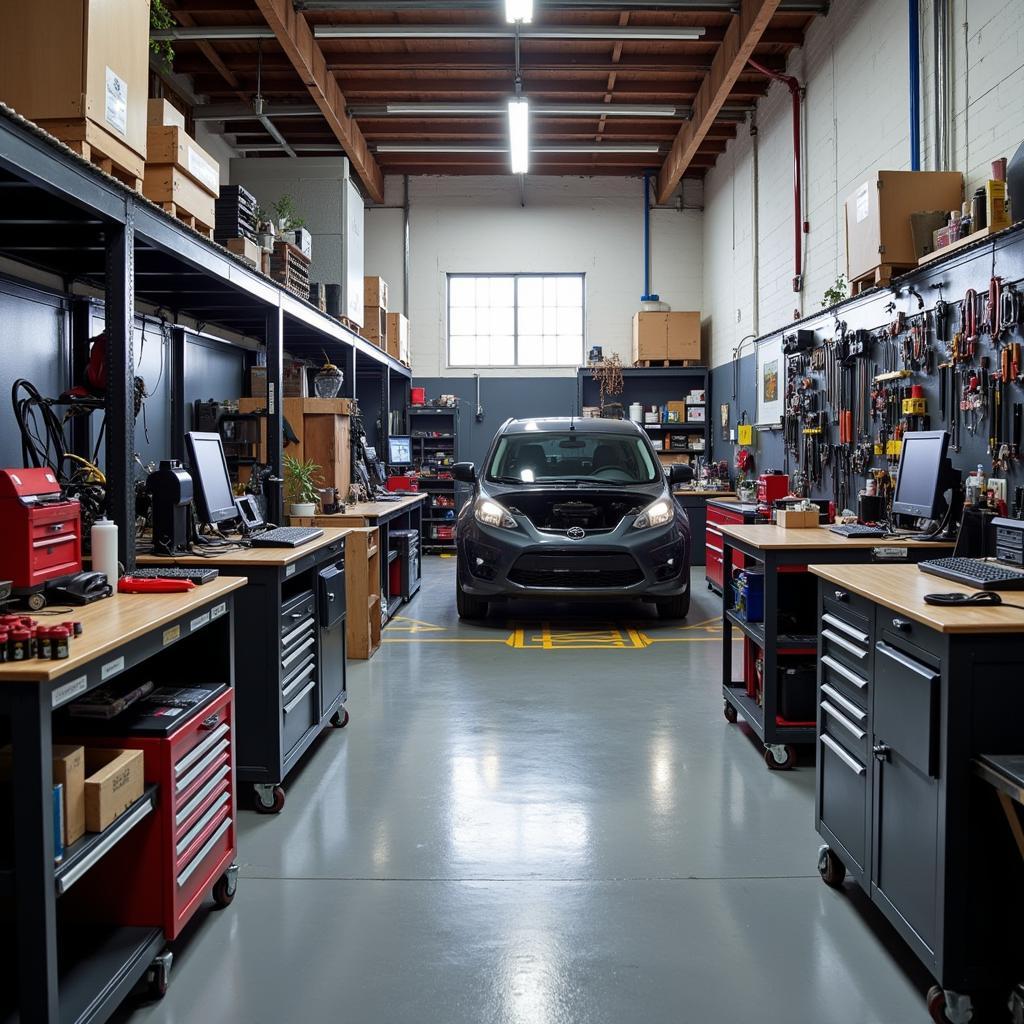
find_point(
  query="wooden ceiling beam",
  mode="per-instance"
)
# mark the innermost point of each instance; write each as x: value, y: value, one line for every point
x: 743, y: 34
x: 296, y: 39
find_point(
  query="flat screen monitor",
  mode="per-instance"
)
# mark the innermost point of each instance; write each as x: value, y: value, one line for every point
x: 215, y: 501
x: 399, y: 451
x: 921, y: 480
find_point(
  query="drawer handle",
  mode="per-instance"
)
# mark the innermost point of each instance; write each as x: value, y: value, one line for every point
x: 182, y: 784
x: 199, y: 749
x: 906, y: 661
x: 210, y: 721
x: 846, y: 628
x: 292, y: 703
x: 711, y: 547
x: 848, y: 706
x: 882, y: 752
x: 299, y: 679
x: 292, y: 655
x: 851, y: 762
x: 840, y: 719
x: 842, y: 595
x: 903, y: 625
x: 298, y: 631
x: 844, y: 643
x: 208, y: 815
x: 207, y: 847
x: 217, y: 779
x: 842, y: 670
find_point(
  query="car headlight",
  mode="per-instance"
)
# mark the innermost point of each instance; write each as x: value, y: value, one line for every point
x: 658, y: 513
x: 490, y: 513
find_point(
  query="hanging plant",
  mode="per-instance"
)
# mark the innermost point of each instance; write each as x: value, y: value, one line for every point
x: 160, y: 17
x: 608, y: 374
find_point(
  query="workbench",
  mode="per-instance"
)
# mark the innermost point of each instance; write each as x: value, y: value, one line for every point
x: 788, y: 552
x: 290, y: 655
x: 909, y: 695
x: 73, y: 971
x: 404, y: 514
x: 695, y: 501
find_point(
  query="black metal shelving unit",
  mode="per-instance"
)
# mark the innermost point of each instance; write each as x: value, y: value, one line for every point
x: 435, y: 448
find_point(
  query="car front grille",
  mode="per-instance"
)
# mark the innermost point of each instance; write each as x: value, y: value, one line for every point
x: 575, y: 570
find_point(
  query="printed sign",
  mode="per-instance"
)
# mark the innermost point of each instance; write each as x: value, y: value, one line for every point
x: 112, y: 668
x: 862, y: 202
x: 65, y: 692
x: 199, y: 621
x: 116, y: 106
x: 172, y: 634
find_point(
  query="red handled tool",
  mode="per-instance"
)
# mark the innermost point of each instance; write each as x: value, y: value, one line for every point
x: 152, y: 585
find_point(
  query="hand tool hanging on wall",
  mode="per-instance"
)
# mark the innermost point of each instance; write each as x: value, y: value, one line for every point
x: 969, y: 323
x: 990, y: 318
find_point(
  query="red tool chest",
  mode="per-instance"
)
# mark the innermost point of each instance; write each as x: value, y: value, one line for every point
x: 719, y: 514
x: 160, y: 874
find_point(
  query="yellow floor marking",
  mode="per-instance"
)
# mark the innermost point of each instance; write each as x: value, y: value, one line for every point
x: 403, y: 624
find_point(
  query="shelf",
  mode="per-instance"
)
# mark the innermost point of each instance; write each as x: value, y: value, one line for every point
x: 746, y: 705
x: 81, y: 855
x: 415, y: 411
x: 755, y: 630
x: 672, y: 426
x: 370, y: 552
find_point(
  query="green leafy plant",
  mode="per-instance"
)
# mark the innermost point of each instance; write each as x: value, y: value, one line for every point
x: 302, y: 480
x: 288, y: 218
x: 160, y: 17
x: 835, y: 294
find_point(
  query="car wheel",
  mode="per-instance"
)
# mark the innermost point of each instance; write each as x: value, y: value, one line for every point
x: 469, y: 607
x: 674, y: 607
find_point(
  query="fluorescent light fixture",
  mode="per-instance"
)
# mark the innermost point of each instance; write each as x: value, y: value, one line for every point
x: 519, y: 134
x: 518, y: 11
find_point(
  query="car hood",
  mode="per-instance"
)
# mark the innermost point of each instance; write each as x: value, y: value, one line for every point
x: 559, y: 508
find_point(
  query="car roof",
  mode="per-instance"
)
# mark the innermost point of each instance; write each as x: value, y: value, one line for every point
x: 550, y: 424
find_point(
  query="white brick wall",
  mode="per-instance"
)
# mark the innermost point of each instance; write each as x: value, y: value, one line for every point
x: 856, y: 119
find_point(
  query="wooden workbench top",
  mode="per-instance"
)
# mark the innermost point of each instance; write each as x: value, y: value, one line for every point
x: 366, y: 510
x: 774, y: 538
x: 113, y: 622
x: 901, y: 588
x: 249, y: 556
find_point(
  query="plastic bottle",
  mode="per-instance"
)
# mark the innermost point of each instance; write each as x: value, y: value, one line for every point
x: 104, y: 549
x: 981, y: 485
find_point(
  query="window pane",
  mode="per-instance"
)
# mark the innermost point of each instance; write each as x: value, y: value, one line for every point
x: 531, y: 350
x: 503, y: 320
x: 502, y: 291
x: 462, y: 351
x: 570, y: 349
x: 569, y: 320
x: 462, y: 291
x: 531, y: 291
x: 570, y: 291
x: 463, y: 321
x: 550, y: 319
x: 531, y: 320
x: 503, y: 350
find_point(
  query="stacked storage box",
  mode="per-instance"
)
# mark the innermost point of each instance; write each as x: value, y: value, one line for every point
x: 290, y: 268
x: 375, y: 311
x: 236, y: 223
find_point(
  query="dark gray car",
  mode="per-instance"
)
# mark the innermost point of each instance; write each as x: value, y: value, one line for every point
x: 572, y: 508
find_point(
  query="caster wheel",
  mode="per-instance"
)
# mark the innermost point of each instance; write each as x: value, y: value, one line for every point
x: 936, y: 1003
x: 225, y: 887
x: 831, y: 868
x: 340, y: 718
x: 950, y: 1007
x: 780, y: 758
x: 269, y: 799
x: 711, y: 588
x: 159, y: 974
x: 36, y: 602
x: 730, y: 712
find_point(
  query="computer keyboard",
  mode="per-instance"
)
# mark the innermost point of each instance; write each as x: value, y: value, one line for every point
x: 196, y: 574
x: 857, y: 530
x: 973, y: 572
x: 285, y: 537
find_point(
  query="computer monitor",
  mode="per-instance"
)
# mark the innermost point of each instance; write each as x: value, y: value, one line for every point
x: 215, y: 501
x: 399, y: 451
x: 924, y: 475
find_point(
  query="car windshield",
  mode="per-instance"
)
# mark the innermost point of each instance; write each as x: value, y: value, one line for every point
x: 576, y: 456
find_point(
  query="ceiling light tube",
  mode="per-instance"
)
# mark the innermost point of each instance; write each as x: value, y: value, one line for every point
x: 633, y: 33
x: 519, y: 134
x: 519, y: 11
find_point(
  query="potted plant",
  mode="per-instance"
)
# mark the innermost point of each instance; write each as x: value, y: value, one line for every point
x: 328, y: 380
x: 288, y: 218
x: 302, y: 484
x: 264, y: 230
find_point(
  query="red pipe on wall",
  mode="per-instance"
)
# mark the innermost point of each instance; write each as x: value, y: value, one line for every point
x: 796, y: 93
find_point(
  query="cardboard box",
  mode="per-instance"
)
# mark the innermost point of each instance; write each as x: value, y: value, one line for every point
x: 791, y: 519
x: 878, y: 229
x: 696, y: 414
x: 679, y: 408
x: 398, y: 337
x: 661, y: 336
x: 246, y: 248
x: 161, y: 112
x: 68, y: 60
x: 113, y: 784
x: 295, y: 381
x: 69, y: 771
x: 996, y: 208
x: 375, y: 292
x: 375, y: 325
x: 170, y: 145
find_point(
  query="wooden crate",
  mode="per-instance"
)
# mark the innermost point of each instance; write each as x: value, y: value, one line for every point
x: 375, y: 292
x: 362, y: 592
x: 169, y: 145
x: 290, y: 269
x: 666, y: 336
x: 246, y: 248
x: 67, y: 62
x: 100, y: 147
x: 177, y: 194
x: 398, y: 337
x: 375, y: 325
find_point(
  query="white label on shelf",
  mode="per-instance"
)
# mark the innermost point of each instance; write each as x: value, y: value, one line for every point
x: 218, y: 610
x: 116, y: 106
x: 112, y: 668
x: 201, y: 168
x: 64, y: 693
x: 289, y: 570
x: 890, y: 554
x: 271, y: 389
x: 862, y: 202
x: 172, y: 634
x: 199, y: 621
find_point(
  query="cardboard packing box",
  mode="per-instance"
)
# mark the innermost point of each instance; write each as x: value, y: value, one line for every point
x: 246, y: 248
x: 169, y: 144
x: 398, y: 337
x: 661, y: 336
x: 295, y: 381
x: 791, y: 519
x: 113, y: 784
x: 161, y: 112
x: 375, y: 325
x: 375, y: 292
x: 69, y: 771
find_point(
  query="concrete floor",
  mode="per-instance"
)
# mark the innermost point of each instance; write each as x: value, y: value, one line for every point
x: 539, y: 821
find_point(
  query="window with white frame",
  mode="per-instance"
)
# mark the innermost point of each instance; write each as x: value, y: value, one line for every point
x: 515, y: 319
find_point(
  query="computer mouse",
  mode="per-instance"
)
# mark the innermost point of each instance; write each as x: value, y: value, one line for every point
x: 960, y: 598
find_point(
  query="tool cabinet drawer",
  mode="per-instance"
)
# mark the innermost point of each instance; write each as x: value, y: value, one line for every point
x: 902, y: 632
x: 842, y: 797
x: 851, y: 684
x: 846, y: 645
x: 298, y: 714
x: 840, y: 718
x: 906, y: 707
x: 853, y: 609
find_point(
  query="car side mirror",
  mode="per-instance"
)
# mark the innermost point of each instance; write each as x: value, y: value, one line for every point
x: 464, y: 472
x: 680, y: 473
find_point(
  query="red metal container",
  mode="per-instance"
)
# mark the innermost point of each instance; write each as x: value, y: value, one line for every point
x: 403, y: 483
x: 418, y: 396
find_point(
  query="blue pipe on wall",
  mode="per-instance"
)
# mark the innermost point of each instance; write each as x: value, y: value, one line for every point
x: 915, y: 86
x: 647, y: 296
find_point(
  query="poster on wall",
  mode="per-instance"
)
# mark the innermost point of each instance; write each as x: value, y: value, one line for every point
x: 771, y: 382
